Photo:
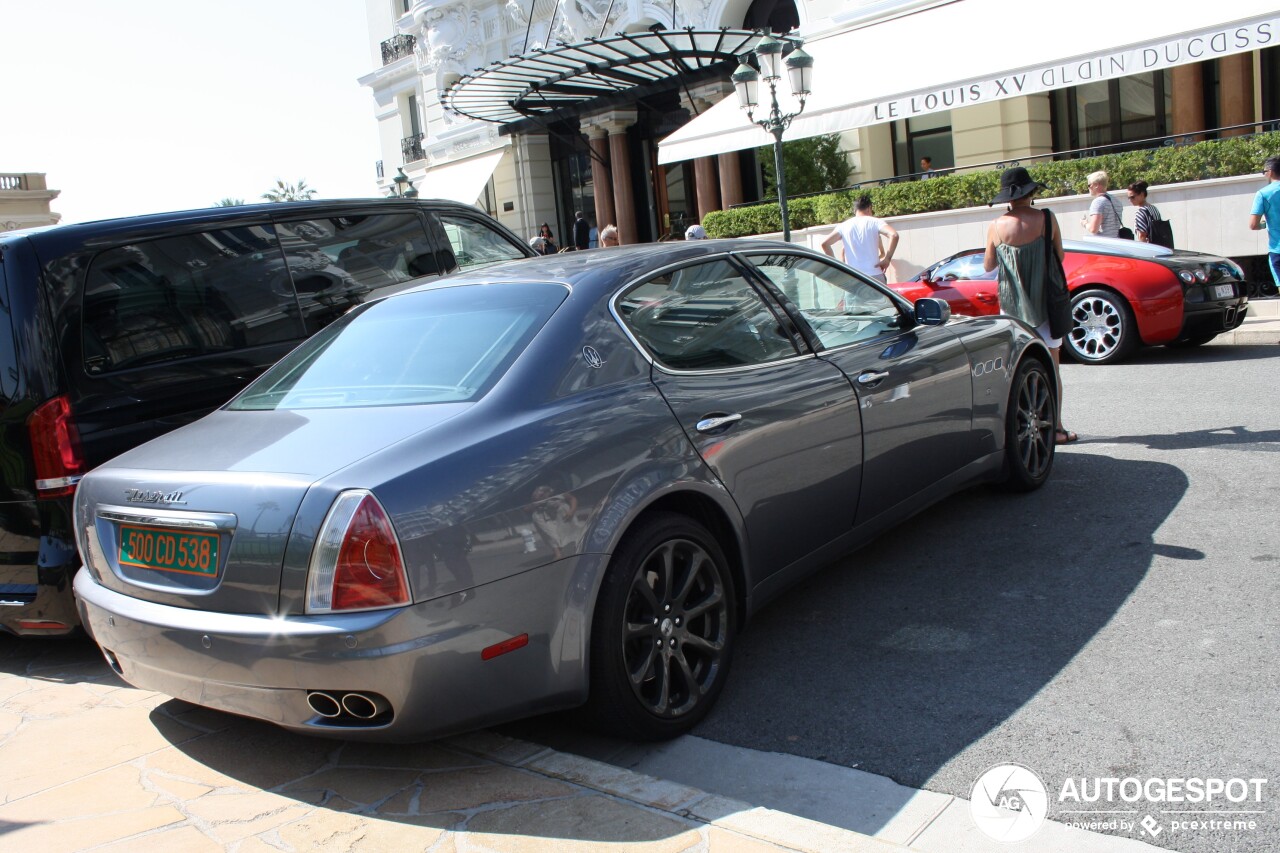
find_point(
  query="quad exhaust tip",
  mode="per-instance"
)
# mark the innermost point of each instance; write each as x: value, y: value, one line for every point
x: 348, y: 708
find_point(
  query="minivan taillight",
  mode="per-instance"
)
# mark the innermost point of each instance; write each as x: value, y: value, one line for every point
x: 356, y: 563
x: 55, y: 446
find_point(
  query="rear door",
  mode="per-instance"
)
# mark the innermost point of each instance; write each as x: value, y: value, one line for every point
x: 914, y: 391
x: 778, y: 426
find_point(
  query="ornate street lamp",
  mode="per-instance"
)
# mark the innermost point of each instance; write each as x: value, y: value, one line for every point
x: 746, y: 80
x: 402, y: 187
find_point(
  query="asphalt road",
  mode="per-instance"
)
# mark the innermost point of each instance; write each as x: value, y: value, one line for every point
x: 1121, y: 622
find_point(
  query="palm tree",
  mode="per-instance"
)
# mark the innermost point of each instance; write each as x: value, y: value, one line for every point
x: 230, y: 202
x: 289, y: 192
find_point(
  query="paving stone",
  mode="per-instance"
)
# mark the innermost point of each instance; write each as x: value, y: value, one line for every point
x: 326, y: 831
x: 259, y: 755
x: 116, y: 790
x: 9, y: 723
x: 495, y: 746
x: 421, y: 756
x: 481, y: 786
x: 75, y: 835
x: 232, y: 817
x: 183, y: 839
x: 580, y: 823
x: 365, y: 786
x: 179, y: 789
x: 117, y: 735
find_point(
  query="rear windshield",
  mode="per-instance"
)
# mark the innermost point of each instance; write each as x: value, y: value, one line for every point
x: 445, y: 345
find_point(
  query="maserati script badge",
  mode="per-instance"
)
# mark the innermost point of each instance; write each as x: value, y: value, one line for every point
x: 139, y: 496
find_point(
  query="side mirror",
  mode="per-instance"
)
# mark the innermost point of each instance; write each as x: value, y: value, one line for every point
x: 932, y: 312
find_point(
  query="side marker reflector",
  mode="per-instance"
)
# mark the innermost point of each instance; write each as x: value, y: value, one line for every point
x: 505, y: 646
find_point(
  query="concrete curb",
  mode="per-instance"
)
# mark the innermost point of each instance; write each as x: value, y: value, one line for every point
x: 769, y: 826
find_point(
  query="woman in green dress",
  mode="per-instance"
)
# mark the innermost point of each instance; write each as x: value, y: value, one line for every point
x: 1015, y: 247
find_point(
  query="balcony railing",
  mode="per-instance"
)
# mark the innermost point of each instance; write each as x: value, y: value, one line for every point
x: 13, y: 182
x: 397, y: 47
x: 411, y: 148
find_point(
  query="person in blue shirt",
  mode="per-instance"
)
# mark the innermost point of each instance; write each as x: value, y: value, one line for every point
x: 1266, y: 213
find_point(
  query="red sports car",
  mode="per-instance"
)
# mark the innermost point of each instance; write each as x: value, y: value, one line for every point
x: 1124, y: 294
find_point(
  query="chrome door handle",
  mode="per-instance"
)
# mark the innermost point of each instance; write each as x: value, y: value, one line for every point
x: 870, y: 377
x: 710, y: 424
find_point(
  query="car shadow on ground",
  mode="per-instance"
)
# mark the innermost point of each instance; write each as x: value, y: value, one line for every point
x: 1208, y: 354
x: 899, y: 657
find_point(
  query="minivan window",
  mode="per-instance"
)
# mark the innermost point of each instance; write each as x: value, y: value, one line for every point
x: 337, y: 261
x: 444, y: 345
x: 476, y: 244
x: 182, y: 297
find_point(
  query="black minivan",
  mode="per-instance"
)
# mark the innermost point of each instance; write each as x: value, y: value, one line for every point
x: 114, y: 332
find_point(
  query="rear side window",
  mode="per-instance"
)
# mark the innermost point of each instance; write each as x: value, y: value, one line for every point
x: 444, y: 345
x: 337, y: 261
x: 476, y: 244
x: 704, y: 317
x: 183, y: 297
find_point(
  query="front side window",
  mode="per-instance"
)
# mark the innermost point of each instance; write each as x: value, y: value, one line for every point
x: 964, y: 268
x: 337, y: 261
x: 446, y: 345
x: 183, y: 297
x: 839, y: 307
x: 475, y: 244
x: 704, y: 317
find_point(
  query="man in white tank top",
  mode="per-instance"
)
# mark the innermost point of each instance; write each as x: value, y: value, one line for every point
x: 860, y: 234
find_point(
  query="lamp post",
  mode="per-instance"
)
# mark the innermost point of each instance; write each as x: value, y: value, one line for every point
x: 402, y: 187
x: 746, y: 80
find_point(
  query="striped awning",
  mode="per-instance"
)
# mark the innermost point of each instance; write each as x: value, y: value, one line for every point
x: 565, y: 79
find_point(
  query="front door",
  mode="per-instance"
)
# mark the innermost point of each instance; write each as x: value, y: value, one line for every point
x: 913, y: 384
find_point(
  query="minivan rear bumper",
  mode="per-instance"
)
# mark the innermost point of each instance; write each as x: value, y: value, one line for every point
x: 424, y: 659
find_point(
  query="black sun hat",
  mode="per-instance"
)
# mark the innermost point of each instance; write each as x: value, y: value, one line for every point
x: 1015, y: 183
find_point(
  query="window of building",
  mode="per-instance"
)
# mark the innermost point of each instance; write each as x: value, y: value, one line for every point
x: 923, y: 136
x: 1270, y: 68
x: 574, y: 183
x: 1130, y: 109
x: 415, y: 121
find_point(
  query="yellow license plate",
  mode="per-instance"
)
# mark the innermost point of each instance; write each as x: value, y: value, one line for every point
x: 169, y: 550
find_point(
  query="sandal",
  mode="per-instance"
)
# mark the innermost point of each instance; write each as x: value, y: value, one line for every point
x: 1065, y: 436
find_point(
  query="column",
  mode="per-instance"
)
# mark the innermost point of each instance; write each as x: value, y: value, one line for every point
x: 624, y: 201
x: 706, y: 175
x: 601, y: 179
x: 1235, y: 92
x: 730, y: 179
x: 1188, y: 99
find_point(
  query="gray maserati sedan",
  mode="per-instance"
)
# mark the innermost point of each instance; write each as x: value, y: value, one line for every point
x: 560, y: 482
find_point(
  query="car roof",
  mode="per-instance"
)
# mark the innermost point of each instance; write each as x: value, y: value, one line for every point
x: 85, y: 231
x: 613, y: 264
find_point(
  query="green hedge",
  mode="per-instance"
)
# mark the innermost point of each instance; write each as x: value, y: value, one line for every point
x: 1171, y: 165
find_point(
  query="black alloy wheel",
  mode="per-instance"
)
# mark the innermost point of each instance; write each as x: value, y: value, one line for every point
x: 663, y: 632
x: 1030, y: 427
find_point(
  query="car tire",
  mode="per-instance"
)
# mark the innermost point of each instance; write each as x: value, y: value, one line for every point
x: 663, y: 633
x: 1198, y: 341
x: 1030, y: 427
x: 1103, y: 328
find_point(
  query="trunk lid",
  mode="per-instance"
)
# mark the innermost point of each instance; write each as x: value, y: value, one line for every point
x: 201, y: 517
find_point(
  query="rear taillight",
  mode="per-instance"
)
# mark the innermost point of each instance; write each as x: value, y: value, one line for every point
x: 55, y: 445
x: 356, y: 563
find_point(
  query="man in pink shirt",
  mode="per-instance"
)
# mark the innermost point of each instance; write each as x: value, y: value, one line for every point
x: 860, y: 234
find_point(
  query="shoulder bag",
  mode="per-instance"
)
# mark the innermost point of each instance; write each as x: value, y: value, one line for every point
x: 1124, y: 233
x: 1057, y: 297
x: 1161, y: 232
